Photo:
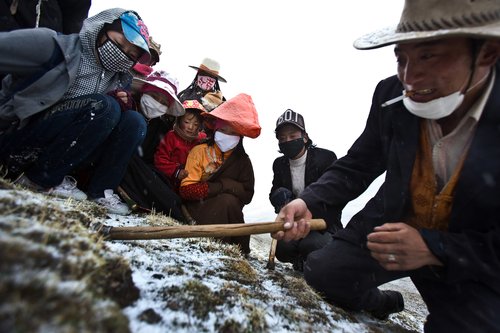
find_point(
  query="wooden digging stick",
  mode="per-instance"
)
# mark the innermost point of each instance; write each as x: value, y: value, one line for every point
x: 272, y: 254
x: 189, y: 231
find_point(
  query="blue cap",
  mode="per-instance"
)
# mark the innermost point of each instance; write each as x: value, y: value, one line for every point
x: 136, y: 33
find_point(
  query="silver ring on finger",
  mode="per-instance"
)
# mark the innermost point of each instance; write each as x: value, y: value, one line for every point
x: 391, y: 257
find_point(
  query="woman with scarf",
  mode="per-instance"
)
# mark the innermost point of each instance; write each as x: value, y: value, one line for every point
x: 220, y: 178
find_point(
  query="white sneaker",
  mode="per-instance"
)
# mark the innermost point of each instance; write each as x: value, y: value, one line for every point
x: 113, y: 203
x: 68, y: 189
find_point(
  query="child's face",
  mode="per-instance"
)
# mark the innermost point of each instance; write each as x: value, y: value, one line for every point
x: 288, y: 132
x: 189, y: 123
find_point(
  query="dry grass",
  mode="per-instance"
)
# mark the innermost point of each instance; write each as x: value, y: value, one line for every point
x: 59, y: 276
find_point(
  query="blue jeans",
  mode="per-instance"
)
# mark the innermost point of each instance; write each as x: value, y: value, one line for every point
x: 59, y: 139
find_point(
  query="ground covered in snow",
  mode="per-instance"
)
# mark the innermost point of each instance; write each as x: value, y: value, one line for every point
x: 59, y: 275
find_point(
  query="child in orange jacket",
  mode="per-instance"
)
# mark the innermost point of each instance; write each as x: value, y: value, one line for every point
x: 171, y: 154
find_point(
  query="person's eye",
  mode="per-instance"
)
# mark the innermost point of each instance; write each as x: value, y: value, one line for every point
x: 427, y: 56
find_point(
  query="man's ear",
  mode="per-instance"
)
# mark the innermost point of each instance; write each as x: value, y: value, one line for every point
x: 305, y: 137
x: 489, y: 54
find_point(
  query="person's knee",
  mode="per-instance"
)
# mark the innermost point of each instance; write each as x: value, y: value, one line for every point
x: 104, y: 111
x: 323, y: 271
x: 314, y: 269
x: 134, y: 124
x: 314, y: 241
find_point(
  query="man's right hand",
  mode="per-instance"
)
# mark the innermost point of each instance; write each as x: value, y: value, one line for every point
x: 294, y: 214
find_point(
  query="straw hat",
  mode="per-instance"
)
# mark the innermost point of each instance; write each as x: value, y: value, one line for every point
x: 432, y: 19
x: 211, y: 67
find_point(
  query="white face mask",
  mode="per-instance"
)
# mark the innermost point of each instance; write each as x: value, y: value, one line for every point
x: 435, y: 109
x: 440, y: 107
x: 226, y: 142
x: 151, y: 108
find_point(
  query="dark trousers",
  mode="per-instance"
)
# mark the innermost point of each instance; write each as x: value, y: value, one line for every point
x: 60, y: 139
x: 348, y: 276
x: 300, y: 249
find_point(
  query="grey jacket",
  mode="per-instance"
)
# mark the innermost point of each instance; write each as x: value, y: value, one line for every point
x: 42, y: 65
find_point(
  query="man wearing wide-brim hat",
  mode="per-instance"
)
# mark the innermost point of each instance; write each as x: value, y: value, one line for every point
x: 434, y: 129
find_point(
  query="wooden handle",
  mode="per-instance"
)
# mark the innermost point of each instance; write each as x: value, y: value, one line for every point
x: 209, y: 230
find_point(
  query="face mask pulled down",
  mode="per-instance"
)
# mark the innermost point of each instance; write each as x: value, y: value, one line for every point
x: 151, y: 108
x: 440, y: 107
x: 292, y: 148
x: 226, y: 142
x: 435, y: 109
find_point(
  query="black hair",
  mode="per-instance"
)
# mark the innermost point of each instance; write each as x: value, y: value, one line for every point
x: 196, y: 113
x: 195, y: 92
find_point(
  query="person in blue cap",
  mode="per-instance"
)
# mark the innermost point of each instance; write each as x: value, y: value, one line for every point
x: 63, y: 105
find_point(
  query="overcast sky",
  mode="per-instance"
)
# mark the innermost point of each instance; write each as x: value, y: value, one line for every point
x: 285, y: 54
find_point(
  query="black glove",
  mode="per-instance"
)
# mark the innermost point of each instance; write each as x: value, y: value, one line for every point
x: 280, y: 197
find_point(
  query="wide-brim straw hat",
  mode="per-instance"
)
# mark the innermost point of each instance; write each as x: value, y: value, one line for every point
x: 210, y: 66
x: 240, y: 113
x: 423, y: 20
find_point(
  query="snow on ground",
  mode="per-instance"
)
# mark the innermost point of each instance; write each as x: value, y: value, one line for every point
x: 150, y: 263
x: 200, y: 285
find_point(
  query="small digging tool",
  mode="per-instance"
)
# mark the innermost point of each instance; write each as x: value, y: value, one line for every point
x: 190, y: 231
x: 272, y: 254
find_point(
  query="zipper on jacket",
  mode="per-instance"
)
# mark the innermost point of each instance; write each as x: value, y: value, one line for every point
x: 99, y: 81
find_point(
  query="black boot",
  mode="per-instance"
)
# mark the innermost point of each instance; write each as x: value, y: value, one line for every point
x: 392, y: 302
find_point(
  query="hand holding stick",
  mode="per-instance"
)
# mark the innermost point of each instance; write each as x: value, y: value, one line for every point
x: 190, y: 231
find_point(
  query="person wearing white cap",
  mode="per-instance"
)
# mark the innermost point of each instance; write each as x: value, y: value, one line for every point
x: 434, y: 130
x: 55, y: 111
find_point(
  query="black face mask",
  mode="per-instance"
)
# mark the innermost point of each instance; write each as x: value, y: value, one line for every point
x: 292, y: 148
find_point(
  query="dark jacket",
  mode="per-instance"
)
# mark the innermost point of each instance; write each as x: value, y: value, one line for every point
x: 65, y: 16
x: 231, y: 187
x: 317, y: 161
x: 470, y: 248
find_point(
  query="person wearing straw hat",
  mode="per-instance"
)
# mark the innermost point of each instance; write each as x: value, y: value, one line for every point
x: 205, y: 86
x: 434, y: 130
x: 220, y: 179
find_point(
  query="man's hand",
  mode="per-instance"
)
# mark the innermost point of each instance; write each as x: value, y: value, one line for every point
x: 398, y: 246
x: 294, y: 214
